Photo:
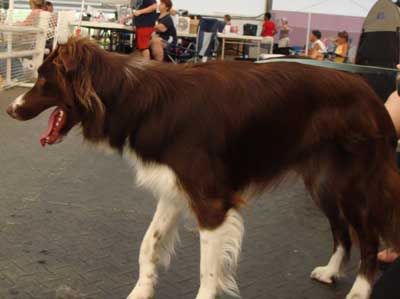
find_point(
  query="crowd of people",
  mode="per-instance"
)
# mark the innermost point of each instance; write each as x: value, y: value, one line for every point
x: 154, y: 31
x: 317, y: 48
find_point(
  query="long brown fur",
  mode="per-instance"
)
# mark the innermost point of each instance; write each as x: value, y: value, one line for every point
x: 223, y: 127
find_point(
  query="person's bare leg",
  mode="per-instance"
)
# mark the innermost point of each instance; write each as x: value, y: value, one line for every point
x: 393, y: 107
x: 157, y: 48
x: 146, y: 54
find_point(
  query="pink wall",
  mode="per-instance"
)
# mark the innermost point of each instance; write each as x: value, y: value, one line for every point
x: 329, y: 25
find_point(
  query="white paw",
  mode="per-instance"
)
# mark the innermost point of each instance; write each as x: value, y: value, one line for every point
x: 357, y: 295
x: 142, y: 291
x: 324, y: 274
x: 205, y: 294
x: 361, y: 289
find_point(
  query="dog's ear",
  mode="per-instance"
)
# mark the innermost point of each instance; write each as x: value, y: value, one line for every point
x: 67, y: 57
x: 76, y: 58
x: 93, y: 124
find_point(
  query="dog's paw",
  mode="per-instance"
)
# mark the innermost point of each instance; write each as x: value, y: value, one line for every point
x: 360, y: 290
x: 357, y: 295
x: 206, y: 294
x: 142, y: 291
x: 324, y: 274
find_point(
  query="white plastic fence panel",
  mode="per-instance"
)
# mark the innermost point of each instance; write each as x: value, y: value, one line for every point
x: 23, y: 38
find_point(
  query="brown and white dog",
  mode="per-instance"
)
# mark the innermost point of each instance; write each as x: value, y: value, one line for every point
x: 201, y: 136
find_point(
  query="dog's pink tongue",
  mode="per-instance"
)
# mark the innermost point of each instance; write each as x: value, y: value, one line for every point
x: 56, y: 122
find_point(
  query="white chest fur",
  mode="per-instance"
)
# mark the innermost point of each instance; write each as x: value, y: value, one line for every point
x: 158, y: 178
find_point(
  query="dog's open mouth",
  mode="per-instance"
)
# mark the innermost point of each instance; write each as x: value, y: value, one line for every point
x: 56, y: 123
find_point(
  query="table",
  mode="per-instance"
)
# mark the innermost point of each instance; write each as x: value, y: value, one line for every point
x: 240, y: 39
x: 230, y: 39
x: 103, y: 25
x: 186, y: 35
x: 108, y: 26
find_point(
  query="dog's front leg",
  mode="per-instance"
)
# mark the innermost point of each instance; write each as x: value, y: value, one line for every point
x: 220, y: 249
x: 158, y: 245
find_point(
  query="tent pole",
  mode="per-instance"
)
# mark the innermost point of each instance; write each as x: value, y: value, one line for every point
x: 9, y: 38
x: 308, y: 32
x: 78, y: 29
x: 81, y: 16
x: 268, y: 5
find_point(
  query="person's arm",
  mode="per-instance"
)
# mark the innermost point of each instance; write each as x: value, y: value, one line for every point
x: 164, y: 24
x: 393, y: 106
x: 160, y: 27
x: 286, y: 28
x: 148, y: 9
x: 274, y: 31
x: 314, y: 51
x: 346, y: 50
x: 263, y: 29
x: 29, y: 19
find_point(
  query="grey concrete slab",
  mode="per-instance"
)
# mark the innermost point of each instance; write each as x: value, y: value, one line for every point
x: 71, y: 217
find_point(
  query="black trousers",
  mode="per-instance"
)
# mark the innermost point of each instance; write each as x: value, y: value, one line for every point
x: 388, y: 286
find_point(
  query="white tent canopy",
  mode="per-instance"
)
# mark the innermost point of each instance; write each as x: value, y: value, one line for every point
x: 221, y: 7
x: 356, y: 8
x: 111, y: 2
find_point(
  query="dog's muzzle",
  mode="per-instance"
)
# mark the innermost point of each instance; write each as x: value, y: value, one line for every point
x: 12, y: 108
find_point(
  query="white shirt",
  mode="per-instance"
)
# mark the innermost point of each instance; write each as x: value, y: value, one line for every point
x: 322, y: 47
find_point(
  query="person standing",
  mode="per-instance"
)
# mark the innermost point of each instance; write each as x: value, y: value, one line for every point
x: 145, y: 17
x: 269, y: 27
x: 284, y: 34
x: 268, y: 32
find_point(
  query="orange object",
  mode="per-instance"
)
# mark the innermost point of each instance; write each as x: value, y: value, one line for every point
x: 78, y: 31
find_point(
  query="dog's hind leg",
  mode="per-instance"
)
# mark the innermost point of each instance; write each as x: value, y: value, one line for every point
x: 158, y: 244
x: 368, y: 238
x: 220, y: 249
x: 320, y: 181
x: 341, y: 240
x: 341, y: 252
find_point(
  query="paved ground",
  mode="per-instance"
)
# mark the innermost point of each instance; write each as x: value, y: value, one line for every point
x: 70, y: 217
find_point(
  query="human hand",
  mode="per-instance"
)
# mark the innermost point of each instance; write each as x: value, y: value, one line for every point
x: 122, y: 20
x: 137, y: 13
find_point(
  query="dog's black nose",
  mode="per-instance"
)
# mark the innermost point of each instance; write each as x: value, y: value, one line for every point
x: 10, y: 111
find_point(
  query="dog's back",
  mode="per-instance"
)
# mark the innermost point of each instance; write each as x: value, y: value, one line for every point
x: 204, y: 133
x: 262, y: 120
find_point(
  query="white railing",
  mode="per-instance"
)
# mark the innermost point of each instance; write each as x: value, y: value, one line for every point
x: 23, y: 44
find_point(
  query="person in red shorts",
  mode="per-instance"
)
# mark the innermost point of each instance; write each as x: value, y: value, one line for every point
x: 145, y: 17
x: 269, y: 27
